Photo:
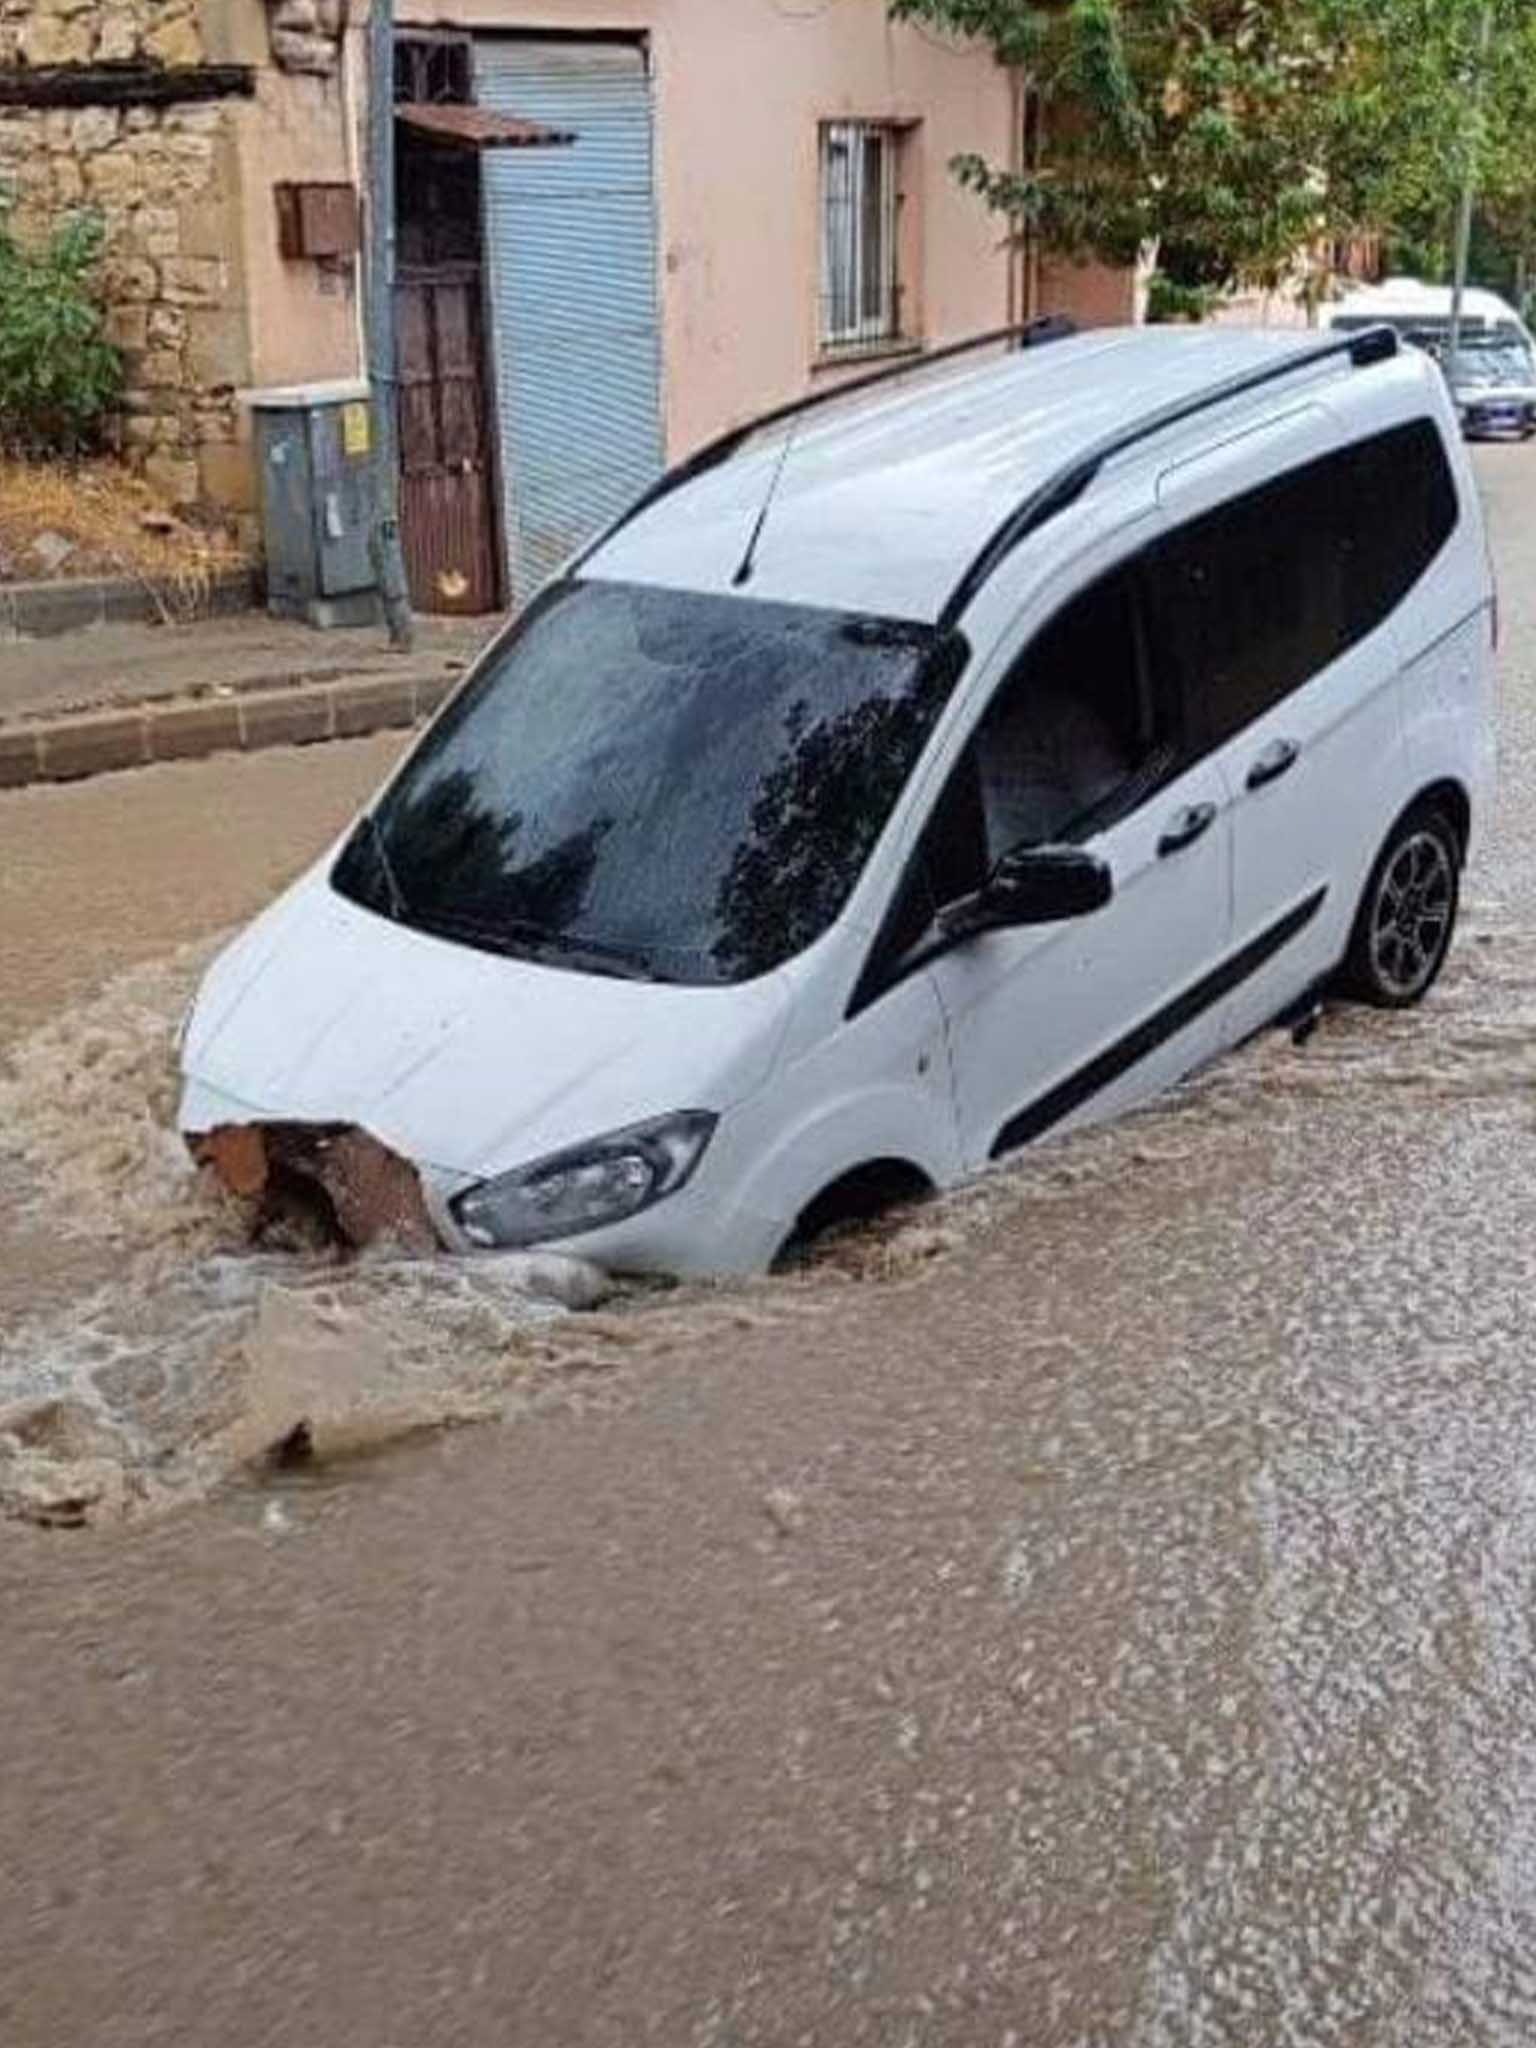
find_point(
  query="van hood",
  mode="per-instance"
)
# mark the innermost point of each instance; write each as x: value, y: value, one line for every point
x: 462, y: 1061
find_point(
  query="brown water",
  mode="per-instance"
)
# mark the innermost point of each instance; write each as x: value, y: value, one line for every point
x: 191, y: 1355
x: 149, y: 1353
x: 1102, y: 1612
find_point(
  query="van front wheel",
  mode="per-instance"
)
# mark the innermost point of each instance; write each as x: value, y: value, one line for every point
x: 1407, y: 915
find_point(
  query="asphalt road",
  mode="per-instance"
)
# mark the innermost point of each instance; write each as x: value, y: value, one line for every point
x: 1115, y: 1628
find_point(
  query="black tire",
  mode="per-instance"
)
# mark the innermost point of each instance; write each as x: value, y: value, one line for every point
x: 884, y: 1188
x: 1407, y: 915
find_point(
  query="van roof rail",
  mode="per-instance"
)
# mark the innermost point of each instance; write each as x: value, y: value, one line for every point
x: 1363, y: 348
x: 1032, y: 334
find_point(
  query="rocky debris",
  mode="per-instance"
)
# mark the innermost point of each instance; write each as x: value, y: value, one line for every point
x: 51, y: 551
x: 336, y: 1373
x: 320, y: 1387
x: 60, y: 1466
x: 784, y: 1509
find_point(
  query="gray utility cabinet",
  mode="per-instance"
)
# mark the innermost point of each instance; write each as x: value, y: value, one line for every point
x: 314, y: 456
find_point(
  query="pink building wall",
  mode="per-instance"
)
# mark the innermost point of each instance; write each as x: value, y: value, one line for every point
x: 741, y: 87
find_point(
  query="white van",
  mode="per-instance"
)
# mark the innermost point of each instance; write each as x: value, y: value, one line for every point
x: 1412, y: 308
x: 1493, y: 376
x: 953, y: 761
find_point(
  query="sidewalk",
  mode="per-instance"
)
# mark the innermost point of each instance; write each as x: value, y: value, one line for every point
x: 120, y: 696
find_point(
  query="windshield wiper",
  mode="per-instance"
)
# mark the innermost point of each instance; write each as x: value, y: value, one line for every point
x: 399, y: 909
x: 515, y: 935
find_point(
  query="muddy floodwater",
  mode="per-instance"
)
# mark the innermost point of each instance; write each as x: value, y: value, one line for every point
x: 1099, y: 1612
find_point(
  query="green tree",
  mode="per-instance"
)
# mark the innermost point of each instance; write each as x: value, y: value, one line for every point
x: 1189, y: 124
x: 1232, y: 133
x: 1402, y: 133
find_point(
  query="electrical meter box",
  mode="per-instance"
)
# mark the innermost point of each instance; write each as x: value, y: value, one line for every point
x: 314, y: 452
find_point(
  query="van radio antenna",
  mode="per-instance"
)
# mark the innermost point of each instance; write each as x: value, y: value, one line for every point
x: 743, y: 575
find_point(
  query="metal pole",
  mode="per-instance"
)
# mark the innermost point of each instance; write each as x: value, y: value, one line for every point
x: 383, y: 371
x: 1469, y: 185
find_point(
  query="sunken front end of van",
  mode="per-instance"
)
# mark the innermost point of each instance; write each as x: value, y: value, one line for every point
x: 520, y: 1003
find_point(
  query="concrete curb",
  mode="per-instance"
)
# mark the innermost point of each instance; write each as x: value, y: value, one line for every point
x: 96, y: 743
x: 43, y: 611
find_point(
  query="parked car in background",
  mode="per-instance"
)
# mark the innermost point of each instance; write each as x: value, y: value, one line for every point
x: 1493, y: 378
x: 938, y: 765
x: 1493, y: 381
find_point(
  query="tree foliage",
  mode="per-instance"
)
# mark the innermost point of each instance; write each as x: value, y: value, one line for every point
x: 1405, y: 125
x: 1231, y: 133
x: 59, y: 375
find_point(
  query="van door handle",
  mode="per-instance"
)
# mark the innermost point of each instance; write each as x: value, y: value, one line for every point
x: 1276, y: 760
x: 1186, y: 828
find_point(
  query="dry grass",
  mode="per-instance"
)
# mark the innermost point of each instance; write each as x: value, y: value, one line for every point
x: 114, y: 524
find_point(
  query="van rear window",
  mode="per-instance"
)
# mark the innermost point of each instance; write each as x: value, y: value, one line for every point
x: 1251, y: 601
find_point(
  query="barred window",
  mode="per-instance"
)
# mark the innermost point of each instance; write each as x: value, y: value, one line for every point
x: 433, y: 70
x: 861, y: 287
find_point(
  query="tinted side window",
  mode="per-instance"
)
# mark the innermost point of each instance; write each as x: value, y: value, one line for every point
x: 1071, y: 729
x: 1404, y: 510
x: 1253, y: 600
x: 1076, y: 735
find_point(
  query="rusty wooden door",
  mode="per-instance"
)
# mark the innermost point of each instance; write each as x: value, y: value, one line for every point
x: 447, y: 495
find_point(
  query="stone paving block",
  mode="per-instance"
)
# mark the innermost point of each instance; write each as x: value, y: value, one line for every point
x: 432, y: 691
x: 92, y: 746
x: 19, y: 762
x: 185, y: 732
x: 372, y: 706
x: 294, y: 719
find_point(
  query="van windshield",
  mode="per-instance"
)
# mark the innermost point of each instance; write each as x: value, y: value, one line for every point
x: 1501, y: 363
x: 666, y: 784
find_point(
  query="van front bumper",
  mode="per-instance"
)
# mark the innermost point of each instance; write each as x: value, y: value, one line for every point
x: 696, y: 1233
x: 1491, y: 416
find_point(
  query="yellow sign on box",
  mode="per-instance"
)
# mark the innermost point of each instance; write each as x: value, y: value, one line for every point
x: 355, y: 433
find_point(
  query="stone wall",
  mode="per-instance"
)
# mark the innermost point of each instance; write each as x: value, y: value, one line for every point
x: 306, y: 35
x: 163, y: 181
x: 43, y: 32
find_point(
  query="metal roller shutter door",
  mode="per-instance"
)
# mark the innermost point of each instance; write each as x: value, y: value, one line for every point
x: 571, y: 248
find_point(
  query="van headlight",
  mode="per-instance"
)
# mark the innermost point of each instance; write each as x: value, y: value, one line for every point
x: 589, y: 1185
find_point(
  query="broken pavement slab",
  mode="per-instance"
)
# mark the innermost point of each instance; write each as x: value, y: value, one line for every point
x: 332, y: 1380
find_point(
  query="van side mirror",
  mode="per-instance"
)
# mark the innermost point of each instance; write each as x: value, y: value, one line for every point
x: 1037, y: 885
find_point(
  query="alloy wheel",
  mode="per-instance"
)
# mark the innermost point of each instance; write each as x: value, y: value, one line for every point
x: 1411, y: 917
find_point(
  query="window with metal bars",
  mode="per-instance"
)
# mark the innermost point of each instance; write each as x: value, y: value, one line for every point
x: 861, y: 290
x: 433, y: 71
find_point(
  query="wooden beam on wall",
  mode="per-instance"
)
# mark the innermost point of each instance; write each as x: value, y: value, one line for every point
x: 123, y: 85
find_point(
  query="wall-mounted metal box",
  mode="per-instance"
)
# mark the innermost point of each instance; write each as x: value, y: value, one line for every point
x: 317, y: 220
x: 315, y: 458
